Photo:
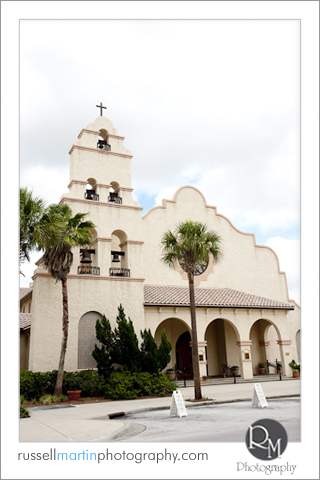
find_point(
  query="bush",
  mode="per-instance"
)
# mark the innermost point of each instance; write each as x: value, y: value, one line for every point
x: 48, y: 399
x: 119, y: 385
x: 35, y: 384
x: 121, y: 347
x: 24, y: 412
x: 88, y: 381
x: 126, y: 385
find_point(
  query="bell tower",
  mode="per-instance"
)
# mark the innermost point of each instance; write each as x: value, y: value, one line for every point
x: 107, y: 273
x: 100, y: 165
x: 100, y: 184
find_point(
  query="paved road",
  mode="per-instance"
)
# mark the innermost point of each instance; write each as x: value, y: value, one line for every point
x: 227, y: 422
x: 91, y: 423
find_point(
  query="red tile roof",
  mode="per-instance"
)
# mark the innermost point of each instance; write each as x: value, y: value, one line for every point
x: 24, y: 292
x: 25, y: 321
x: 208, y: 297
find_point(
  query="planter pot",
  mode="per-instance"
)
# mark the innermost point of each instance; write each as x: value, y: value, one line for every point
x: 74, y: 394
x: 296, y: 374
x: 205, y: 379
x: 171, y: 374
x: 262, y: 371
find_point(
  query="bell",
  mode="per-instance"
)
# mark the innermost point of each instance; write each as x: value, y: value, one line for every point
x: 86, y: 257
x: 115, y: 258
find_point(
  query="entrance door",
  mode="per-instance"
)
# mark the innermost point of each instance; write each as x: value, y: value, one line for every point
x: 184, y: 355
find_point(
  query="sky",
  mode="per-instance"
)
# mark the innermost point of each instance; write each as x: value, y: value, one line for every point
x: 209, y: 103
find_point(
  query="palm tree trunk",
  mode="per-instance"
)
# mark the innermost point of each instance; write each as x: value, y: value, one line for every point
x: 195, y: 356
x: 65, y: 324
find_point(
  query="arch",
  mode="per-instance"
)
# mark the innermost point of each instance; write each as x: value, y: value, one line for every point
x: 174, y: 327
x: 264, y: 335
x: 221, y: 336
x: 92, y: 182
x: 103, y: 133
x: 184, y: 355
x: 87, y: 339
x: 114, y: 193
x: 103, y: 140
x: 93, y: 245
x: 119, y: 244
x: 90, y: 193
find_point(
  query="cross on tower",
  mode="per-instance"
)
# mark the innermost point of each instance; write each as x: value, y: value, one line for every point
x: 101, y: 107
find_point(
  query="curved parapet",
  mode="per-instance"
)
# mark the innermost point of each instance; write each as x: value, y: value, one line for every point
x: 244, y: 266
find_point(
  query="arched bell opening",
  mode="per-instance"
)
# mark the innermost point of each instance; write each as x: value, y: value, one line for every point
x: 222, y: 337
x: 87, y: 339
x: 90, y: 193
x: 175, y: 330
x: 114, y: 193
x: 89, y: 257
x: 119, y: 254
x: 103, y: 140
x: 264, y: 336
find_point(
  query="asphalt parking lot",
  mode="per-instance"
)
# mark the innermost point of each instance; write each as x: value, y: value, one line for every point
x: 227, y: 422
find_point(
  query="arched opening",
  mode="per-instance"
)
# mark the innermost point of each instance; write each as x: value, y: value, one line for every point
x: 87, y: 339
x: 89, y: 257
x: 264, y: 336
x: 175, y: 329
x: 114, y: 193
x: 119, y: 253
x: 90, y: 193
x: 221, y: 337
x: 103, y: 140
x: 184, y: 355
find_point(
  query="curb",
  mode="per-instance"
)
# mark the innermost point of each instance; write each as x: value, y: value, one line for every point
x: 191, y: 404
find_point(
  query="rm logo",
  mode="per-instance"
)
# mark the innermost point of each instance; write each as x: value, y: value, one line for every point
x: 266, y: 439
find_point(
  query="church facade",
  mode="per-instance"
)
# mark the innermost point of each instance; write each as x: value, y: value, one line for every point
x: 244, y: 314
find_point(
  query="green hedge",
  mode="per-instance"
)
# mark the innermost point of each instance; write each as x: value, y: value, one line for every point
x: 120, y: 385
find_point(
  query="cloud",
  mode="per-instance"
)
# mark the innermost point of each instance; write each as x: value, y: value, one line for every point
x: 45, y: 182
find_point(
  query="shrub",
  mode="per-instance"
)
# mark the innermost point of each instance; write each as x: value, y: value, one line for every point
x: 121, y: 348
x: 35, y: 384
x: 24, y: 412
x: 126, y: 385
x: 88, y: 381
x: 154, y: 358
x: 119, y: 385
x: 48, y: 399
x: 104, y: 355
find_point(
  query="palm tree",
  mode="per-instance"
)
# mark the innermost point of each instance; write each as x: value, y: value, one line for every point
x: 58, y: 258
x: 191, y: 244
x: 36, y: 222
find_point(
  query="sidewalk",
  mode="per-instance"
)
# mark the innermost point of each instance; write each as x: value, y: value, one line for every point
x: 91, y: 422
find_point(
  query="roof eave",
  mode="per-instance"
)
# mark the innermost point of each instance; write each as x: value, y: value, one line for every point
x: 177, y: 305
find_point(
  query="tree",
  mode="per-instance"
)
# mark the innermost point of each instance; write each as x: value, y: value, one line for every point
x: 121, y: 348
x: 191, y: 244
x: 127, y: 352
x: 104, y: 355
x: 164, y: 350
x: 58, y: 258
x: 154, y: 358
x: 36, y: 222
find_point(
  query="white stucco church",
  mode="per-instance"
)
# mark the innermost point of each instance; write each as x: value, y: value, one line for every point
x: 244, y: 314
